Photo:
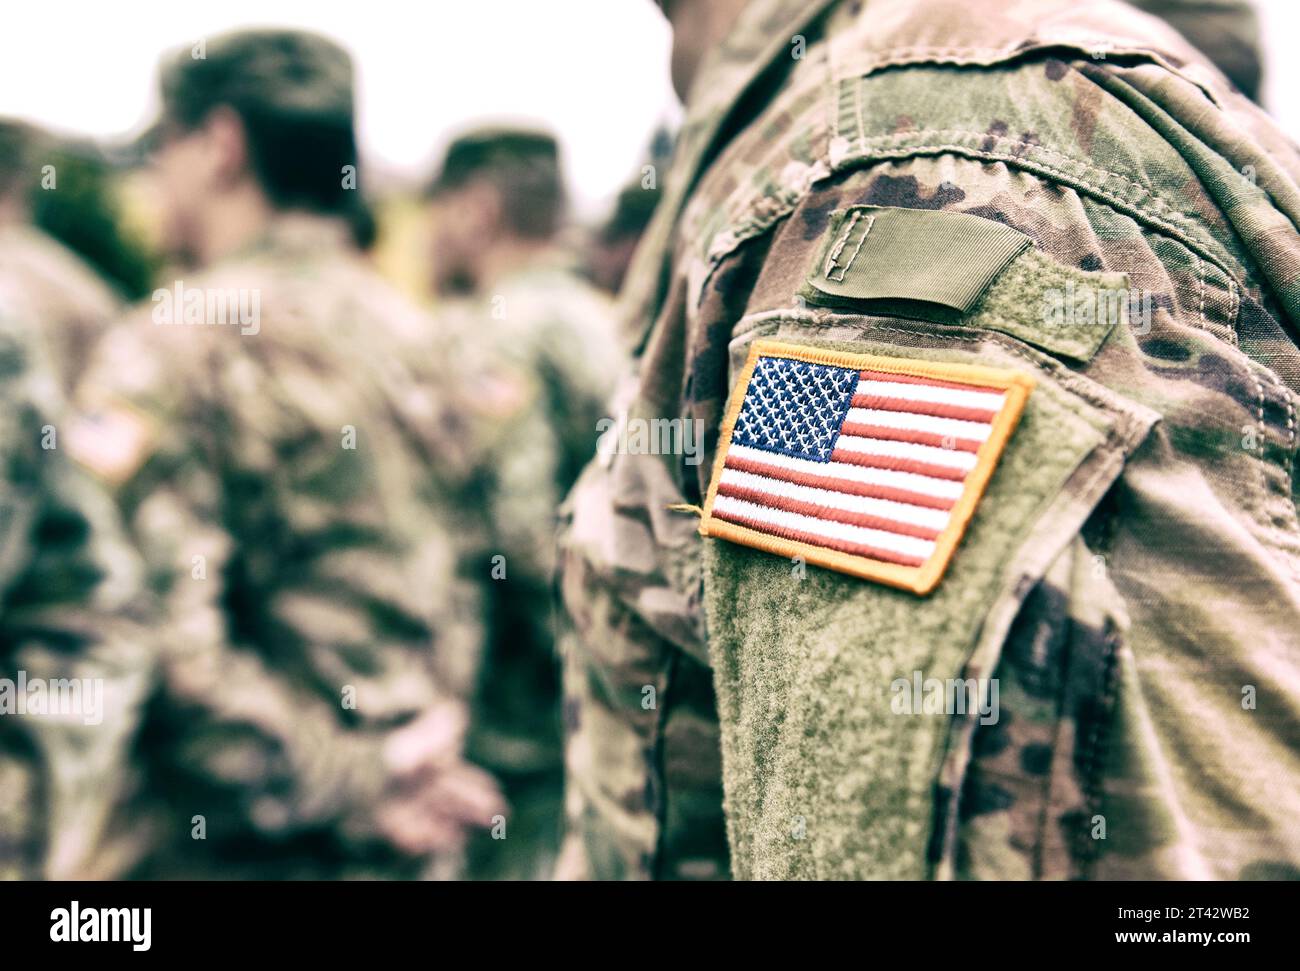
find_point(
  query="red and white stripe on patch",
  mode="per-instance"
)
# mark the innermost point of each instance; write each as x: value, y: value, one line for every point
x: 868, y: 465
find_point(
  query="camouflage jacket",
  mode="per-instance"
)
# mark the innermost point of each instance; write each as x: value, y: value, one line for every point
x: 272, y: 452
x: 74, y: 664
x: 1131, y: 577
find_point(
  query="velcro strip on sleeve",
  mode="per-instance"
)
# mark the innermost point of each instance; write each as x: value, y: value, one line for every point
x: 911, y: 256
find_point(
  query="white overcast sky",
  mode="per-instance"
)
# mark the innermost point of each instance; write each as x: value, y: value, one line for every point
x: 596, y: 71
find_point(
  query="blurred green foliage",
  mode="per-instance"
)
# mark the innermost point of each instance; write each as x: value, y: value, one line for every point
x: 82, y: 212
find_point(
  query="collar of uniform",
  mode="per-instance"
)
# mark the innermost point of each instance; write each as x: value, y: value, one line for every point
x: 556, y: 263
x: 298, y: 230
x: 761, y: 34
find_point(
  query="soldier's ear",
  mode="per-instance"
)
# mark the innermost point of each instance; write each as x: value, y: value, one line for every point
x: 227, y: 141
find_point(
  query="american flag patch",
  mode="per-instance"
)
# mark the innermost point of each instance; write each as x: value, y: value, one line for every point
x: 867, y: 465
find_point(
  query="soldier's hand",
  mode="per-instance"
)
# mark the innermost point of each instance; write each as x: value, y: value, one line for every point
x: 433, y: 739
x: 434, y: 796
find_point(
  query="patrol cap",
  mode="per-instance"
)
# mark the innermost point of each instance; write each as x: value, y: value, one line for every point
x: 496, y: 151
x: 292, y: 89
x: 523, y: 163
x: 293, y: 75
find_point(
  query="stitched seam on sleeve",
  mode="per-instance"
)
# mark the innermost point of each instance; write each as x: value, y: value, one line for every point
x: 858, y: 249
x: 833, y: 256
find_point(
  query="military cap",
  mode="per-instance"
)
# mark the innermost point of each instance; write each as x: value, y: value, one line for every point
x: 290, y: 74
x: 497, y: 152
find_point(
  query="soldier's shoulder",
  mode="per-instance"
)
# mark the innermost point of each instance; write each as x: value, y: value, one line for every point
x: 331, y: 288
x: 53, y: 272
x: 1044, y: 83
x: 396, y: 311
x: 555, y: 298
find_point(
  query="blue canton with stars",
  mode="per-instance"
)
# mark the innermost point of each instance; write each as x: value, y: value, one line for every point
x: 795, y: 408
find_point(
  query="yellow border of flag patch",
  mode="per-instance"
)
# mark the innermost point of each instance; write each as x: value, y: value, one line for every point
x: 918, y: 579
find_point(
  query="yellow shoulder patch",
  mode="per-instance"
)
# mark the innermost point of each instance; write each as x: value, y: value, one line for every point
x: 871, y: 466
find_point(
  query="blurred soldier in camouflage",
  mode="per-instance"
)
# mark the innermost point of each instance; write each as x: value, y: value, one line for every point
x: 74, y: 663
x: 71, y: 301
x: 274, y: 458
x: 541, y: 344
x: 915, y: 189
x: 73, y: 606
x: 610, y: 254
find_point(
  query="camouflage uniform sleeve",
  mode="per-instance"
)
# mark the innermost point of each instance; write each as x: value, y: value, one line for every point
x: 299, y: 599
x: 73, y: 624
x: 1118, y: 615
x: 523, y: 471
x: 544, y: 376
x: 1102, y: 615
x: 643, y: 782
x: 580, y: 360
x: 1147, y: 496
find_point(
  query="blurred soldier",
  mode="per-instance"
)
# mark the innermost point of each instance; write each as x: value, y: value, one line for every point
x: 615, y: 241
x: 74, y: 666
x: 987, y: 314
x: 611, y: 251
x: 274, y: 459
x: 541, y: 344
x: 71, y: 301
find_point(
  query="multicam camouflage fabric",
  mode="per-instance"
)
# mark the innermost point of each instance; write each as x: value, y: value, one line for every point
x: 1132, y: 577
x: 541, y: 350
x: 72, y: 303
x: 72, y: 611
x: 275, y: 463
